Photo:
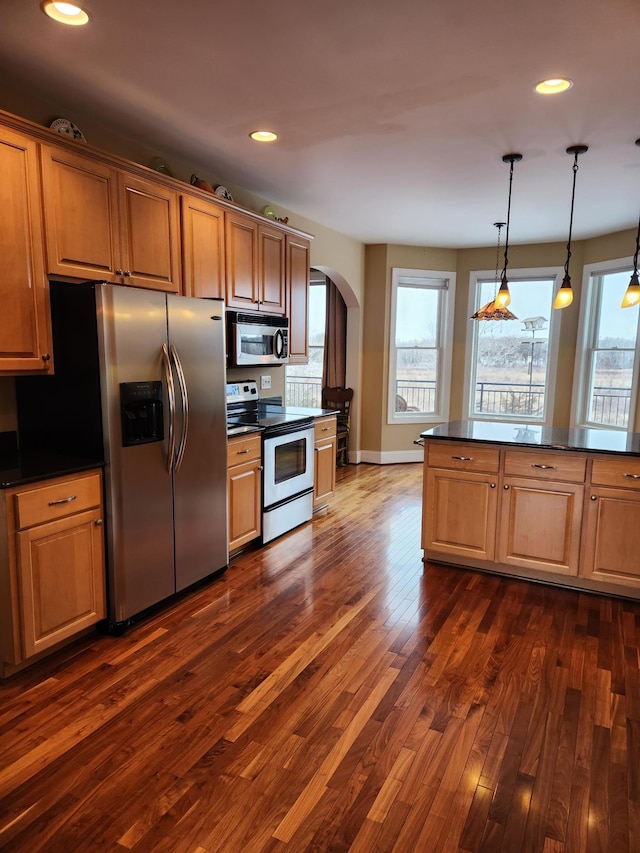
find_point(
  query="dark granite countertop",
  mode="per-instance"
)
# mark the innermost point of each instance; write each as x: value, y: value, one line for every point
x: 17, y: 469
x: 529, y: 435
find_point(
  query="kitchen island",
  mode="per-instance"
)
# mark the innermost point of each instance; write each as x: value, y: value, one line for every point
x: 548, y: 504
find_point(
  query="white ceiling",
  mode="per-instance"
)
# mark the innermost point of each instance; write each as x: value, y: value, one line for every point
x: 393, y: 117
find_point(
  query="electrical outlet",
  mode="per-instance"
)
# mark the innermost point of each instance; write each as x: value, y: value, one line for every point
x: 265, y: 382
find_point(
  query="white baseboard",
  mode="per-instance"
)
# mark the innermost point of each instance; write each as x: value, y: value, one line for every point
x: 389, y: 457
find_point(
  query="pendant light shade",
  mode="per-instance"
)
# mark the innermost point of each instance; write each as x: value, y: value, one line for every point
x: 497, y: 309
x: 632, y: 293
x: 564, y: 296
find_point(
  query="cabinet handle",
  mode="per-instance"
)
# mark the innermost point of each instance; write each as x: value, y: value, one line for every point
x: 240, y: 452
x: 127, y: 273
x: 506, y: 488
x: 544, y: 467
x: 259, y: 468
x: 492, y: 485
x: 326, y: 429
x: 98, y: 522
x: 594, y: 497
x: 463, y: 458
x: 119, y: 272
x: 63, y: 501
x: 632, y: 476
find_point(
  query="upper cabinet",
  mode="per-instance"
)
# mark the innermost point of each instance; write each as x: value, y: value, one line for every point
x: 101, y: 222
x: 202, y: 247
x: 298, y: 249
x: 255, y: 264
x: 25, y: 342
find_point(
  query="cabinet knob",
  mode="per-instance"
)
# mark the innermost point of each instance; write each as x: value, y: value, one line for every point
x: 98, y: 522
x: 46, y: 357
x: 119, y: 272
x: 594, y: 497
x: 492, y: 485
x: 127, y: 273
x: 506, y: 488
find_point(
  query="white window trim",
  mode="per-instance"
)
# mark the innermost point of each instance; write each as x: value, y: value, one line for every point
x: 578, y: 407
x: 529, y: 274
x: 443, y: 380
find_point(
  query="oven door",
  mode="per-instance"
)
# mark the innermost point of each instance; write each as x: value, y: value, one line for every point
x: 287, y: 462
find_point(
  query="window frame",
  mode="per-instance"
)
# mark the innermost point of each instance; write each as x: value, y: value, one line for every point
x: 553, y: 342
x: 592, y: 294
x: 418, y: 278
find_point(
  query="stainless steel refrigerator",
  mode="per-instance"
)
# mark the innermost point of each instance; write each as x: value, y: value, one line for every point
x: 141, y: 373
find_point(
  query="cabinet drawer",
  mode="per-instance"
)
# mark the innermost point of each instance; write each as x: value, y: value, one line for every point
x: 547, y: 465
x: 325, y: 427
x: 623, y: 472
x: 464, y: 457
x: 243, y: 450
x: 56, y: 500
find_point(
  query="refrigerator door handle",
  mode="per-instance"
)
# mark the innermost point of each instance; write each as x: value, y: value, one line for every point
x: 185, y: 407
x: 171, y: 395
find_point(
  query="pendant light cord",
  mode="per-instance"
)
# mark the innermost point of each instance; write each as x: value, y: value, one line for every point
x: 573, y: 195
x: 635, y: 257
x: 506, y: 239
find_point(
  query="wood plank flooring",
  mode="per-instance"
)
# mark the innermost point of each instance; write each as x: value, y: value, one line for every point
x: 332, y: 693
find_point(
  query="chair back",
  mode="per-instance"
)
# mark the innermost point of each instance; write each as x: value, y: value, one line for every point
x: 338, y: 399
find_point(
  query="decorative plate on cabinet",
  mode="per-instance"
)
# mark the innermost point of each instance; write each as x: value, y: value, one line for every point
x: 223, y: 192
x: 67, y: 128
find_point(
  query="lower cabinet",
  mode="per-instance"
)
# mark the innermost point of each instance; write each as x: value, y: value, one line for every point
x: 53, y: 578
x: 244, y: 461
x: 325, y: 460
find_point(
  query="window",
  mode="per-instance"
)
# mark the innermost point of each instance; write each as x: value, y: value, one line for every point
x: 420, y: 354
x: 303, y: 382
x: 607, y: 361
x: 509, y: 373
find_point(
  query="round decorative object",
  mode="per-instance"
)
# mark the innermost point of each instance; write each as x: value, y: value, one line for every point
x: 67, y: 128
x: 223, y: 192
x: 268, y: 211
x: 161, y: 166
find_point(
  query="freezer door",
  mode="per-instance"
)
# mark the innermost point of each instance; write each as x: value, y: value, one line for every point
x: 197, y: 347
x: 132, y: 328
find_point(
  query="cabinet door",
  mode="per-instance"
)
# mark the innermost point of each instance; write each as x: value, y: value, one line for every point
x: 271, y: 270
x: 61, y: 572
x: 298, y: 250
x: 241, y: 261
x: 202, y: 248
x: 150, y: 234
x: 612, y: 537
x: 540, y: 525
x: 460, y: 513
x: 244, y: 504
x: 25, y: 332
x: 325, y: 472
x: 80, y: 215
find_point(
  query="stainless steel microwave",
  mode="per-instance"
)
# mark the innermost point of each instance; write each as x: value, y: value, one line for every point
x: 257, y: 339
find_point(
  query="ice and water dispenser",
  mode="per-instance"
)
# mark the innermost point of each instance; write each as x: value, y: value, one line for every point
x: 142, y: 412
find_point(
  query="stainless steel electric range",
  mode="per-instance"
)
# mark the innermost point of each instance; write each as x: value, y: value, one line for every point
x: 287, y: 457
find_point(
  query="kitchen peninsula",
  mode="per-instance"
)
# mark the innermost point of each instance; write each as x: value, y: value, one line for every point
x: 543, y: 503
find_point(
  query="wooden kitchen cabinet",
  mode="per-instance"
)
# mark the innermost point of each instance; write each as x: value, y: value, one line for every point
x: 541, y: 511
x: 104, y: 223
x: 25, y: 328
x: 244, y: 480
x: 325, y: 443
x: 298, y: 252
x: 255, y: 265
x: 202, y: 229
x: 612, y: 531
x: 54, y: 579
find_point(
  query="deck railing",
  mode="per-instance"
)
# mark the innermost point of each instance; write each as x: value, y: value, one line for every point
x: 609, y: 405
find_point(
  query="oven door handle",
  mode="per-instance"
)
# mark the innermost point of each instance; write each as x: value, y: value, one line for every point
x: 171, y: 396
x: 182, y: 382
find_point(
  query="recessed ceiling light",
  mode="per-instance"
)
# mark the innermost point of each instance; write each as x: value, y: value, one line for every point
x: 65, y: 13
x: 263, y: 135
x: 554, y: 85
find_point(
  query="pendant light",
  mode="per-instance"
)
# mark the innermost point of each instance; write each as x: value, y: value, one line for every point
x: 493, y: 310
x: 632, y: 293
x: 564, y: 296
x: 497, y: 310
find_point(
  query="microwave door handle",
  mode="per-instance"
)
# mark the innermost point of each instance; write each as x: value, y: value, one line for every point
x: 182, y: 382
x: 278, y: 344
x: 171, y: 395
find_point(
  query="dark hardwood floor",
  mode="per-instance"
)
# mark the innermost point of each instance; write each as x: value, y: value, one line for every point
x: 331, y: 693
